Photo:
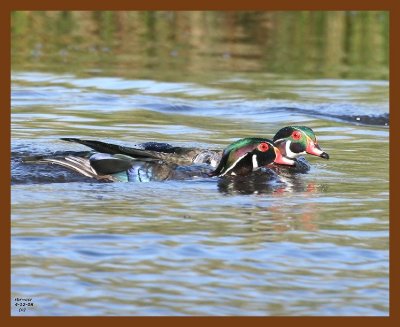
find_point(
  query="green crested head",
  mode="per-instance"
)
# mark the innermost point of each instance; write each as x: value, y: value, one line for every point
x: 248, y: 154
x: 293, y: 141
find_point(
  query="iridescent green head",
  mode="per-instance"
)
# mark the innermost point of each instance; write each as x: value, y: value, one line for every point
x: 248, y: 154
x: 293, y: 141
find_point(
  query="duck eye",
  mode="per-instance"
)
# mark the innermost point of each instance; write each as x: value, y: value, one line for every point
x: 296, y: 135
x: 263, y: 147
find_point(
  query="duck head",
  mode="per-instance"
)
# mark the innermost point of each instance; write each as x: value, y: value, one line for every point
x: 249, y: 154
x: 294, y: 141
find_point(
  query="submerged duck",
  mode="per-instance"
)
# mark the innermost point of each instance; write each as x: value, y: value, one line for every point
x: 292, y: 142
x: 110, y: 162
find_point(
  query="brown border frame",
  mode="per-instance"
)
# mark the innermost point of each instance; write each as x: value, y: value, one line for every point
x: 5, y: 198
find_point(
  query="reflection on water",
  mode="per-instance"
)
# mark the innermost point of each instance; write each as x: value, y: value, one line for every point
x: 319, y: 44
x: 312, y: 242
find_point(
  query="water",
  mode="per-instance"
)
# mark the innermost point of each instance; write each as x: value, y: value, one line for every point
x: 316, y: 245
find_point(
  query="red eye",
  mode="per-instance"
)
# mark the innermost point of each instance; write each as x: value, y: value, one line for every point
x: 263, y: 147
x: 296, y: 135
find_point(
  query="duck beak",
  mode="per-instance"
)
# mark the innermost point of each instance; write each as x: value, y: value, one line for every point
x: 282, y: 160
x: 315, y: 150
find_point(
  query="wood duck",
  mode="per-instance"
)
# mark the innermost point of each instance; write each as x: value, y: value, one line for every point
x: 292, y: 142
x: 110, y: 162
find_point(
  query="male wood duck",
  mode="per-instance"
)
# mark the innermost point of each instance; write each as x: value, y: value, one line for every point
x: 292, y: 141
x: 110, y: 162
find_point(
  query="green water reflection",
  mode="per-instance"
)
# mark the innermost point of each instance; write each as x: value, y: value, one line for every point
x: 178, y: 45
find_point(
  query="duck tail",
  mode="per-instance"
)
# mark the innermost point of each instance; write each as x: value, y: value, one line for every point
x: 77, y: 164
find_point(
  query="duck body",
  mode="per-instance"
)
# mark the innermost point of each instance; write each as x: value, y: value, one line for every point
x: 111, y: 162
x: 107, y: 167
x: 157, y: 150
x: 292, y: 141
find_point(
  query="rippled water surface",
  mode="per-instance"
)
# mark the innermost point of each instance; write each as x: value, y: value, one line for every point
x: 314, y: 245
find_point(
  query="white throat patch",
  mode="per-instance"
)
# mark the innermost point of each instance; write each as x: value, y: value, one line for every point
x: 289, y: 153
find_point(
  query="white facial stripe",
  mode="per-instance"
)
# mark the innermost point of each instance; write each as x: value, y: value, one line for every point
x: 291, y: 154
x: 255, y: 162
x: 278, y: 141
x: 233, y: 165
